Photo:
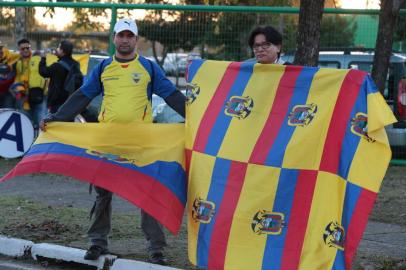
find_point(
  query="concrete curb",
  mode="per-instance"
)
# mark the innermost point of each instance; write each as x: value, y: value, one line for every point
x: 69, y: 254
x: 122, y: 264
x: 15, y: 247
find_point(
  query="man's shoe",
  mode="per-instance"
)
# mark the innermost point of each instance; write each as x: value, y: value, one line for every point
x: 158, y: 258
x: 94, y: 252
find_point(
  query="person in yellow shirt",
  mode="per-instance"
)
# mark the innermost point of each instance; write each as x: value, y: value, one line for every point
x: 28, y: 87
x: 126, y: 82
x: 21, y: 68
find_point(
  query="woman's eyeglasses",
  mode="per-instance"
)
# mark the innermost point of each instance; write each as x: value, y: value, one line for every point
x: 264, y: 46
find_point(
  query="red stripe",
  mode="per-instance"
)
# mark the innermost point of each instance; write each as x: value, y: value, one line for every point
x: 224, y: 217
x: 298, y: 220
x: 338, y: 124
x: 188, y: 157
x: 215, y: 106
x: 133, y: 186
x: 277, y: 115
x: 357, y: 224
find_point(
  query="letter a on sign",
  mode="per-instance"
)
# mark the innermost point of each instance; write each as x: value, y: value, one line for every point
x: 16, y: 134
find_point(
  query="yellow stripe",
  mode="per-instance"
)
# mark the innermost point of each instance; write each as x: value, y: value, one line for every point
x: 326, y: 207
x: 245, y: 248
x: 201, y: 168
x: 305, y: 148
x: 83, y: 60
x: 242, y: 134
x: 196, y: 110
x: 370, y: 160
x: 140, y: 142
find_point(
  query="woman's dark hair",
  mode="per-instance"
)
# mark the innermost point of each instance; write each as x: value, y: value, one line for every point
x: 67, y: 47
x: 271, y: 35
x: 23, y: 41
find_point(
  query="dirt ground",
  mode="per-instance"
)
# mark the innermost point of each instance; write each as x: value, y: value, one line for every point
x: 52, y: 208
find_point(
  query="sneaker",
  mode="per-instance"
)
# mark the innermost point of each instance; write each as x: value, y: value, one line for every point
x: 158, y: 258
x: 94, y: 252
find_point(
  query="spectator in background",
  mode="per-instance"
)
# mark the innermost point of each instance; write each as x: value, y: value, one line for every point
x: 21, y: 68
x: 36, y: 91
x: 6, y: 78
x: 57, y: 73
x: 266, y: 45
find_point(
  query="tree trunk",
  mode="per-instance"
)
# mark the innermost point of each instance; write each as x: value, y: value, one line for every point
x: 308, y: 38
x: 20, y: 25
x: 383, y: 49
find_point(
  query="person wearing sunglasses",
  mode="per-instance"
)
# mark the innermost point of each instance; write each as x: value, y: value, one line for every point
x: 29, y: 85
x: 266, y: 45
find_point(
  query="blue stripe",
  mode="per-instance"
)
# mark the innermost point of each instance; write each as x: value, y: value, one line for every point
x: 300, y: 94
x: 223, y: 121
x: 92, y: 85
x: 351, y: 140
x: 193, y: 68
x: 352, y: 194
x: 283, y: 204
x: 217, y: 188
x: 169, y: 174
x: 370, y: 85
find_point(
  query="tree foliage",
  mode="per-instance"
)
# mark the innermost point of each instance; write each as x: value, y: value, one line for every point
x: 400, y: 33
x: 331, y: 25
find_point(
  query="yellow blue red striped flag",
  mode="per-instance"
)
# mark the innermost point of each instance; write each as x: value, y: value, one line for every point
x: 143, y: 163
x: 284, y: 164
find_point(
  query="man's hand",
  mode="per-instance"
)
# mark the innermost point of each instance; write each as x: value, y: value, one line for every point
x: 48, y: 118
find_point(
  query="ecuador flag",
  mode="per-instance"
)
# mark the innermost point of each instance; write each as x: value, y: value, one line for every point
x: 143, y: 163
x: 285, y: 163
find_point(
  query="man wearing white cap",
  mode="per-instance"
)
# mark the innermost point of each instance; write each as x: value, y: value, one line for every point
x: 127, y: 82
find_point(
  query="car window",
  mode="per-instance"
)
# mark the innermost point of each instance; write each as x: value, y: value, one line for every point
x: 364, y: 66
x: 329, y: 64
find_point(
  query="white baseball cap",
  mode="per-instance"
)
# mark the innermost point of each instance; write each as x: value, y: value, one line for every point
x: 126, y: 24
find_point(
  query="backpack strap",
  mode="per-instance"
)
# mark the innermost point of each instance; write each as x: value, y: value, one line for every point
x: 65, y: 65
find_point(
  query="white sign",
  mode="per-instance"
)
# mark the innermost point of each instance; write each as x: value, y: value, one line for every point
x: 16, y: 134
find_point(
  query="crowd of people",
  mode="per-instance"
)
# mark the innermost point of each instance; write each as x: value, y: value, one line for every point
x: 28, y: 85
x: 125, y: 100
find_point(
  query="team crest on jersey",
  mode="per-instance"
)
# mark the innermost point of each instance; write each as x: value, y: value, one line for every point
x: 203, y: 211
x: 110, y: 157
x: 334, y: 235
x: 302, y: 115
x: 192, y: 91
x: 239, y: 107
x: 359, y: 126
x: 265, y: 222
x: 136, y: 77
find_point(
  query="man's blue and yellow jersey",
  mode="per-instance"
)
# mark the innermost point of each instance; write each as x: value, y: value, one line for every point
x: 127, y: 89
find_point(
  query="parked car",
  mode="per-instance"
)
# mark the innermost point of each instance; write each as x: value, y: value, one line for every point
x: 395, y: 89
x: 175, y: 63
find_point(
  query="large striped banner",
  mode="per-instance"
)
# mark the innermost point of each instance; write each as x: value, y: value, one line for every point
x: 285, y: 163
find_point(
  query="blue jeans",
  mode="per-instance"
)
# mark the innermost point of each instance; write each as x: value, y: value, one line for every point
x: 37, y: 113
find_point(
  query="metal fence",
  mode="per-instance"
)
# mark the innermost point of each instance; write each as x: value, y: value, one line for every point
x: 210, y: 32
x: 215, y: 32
